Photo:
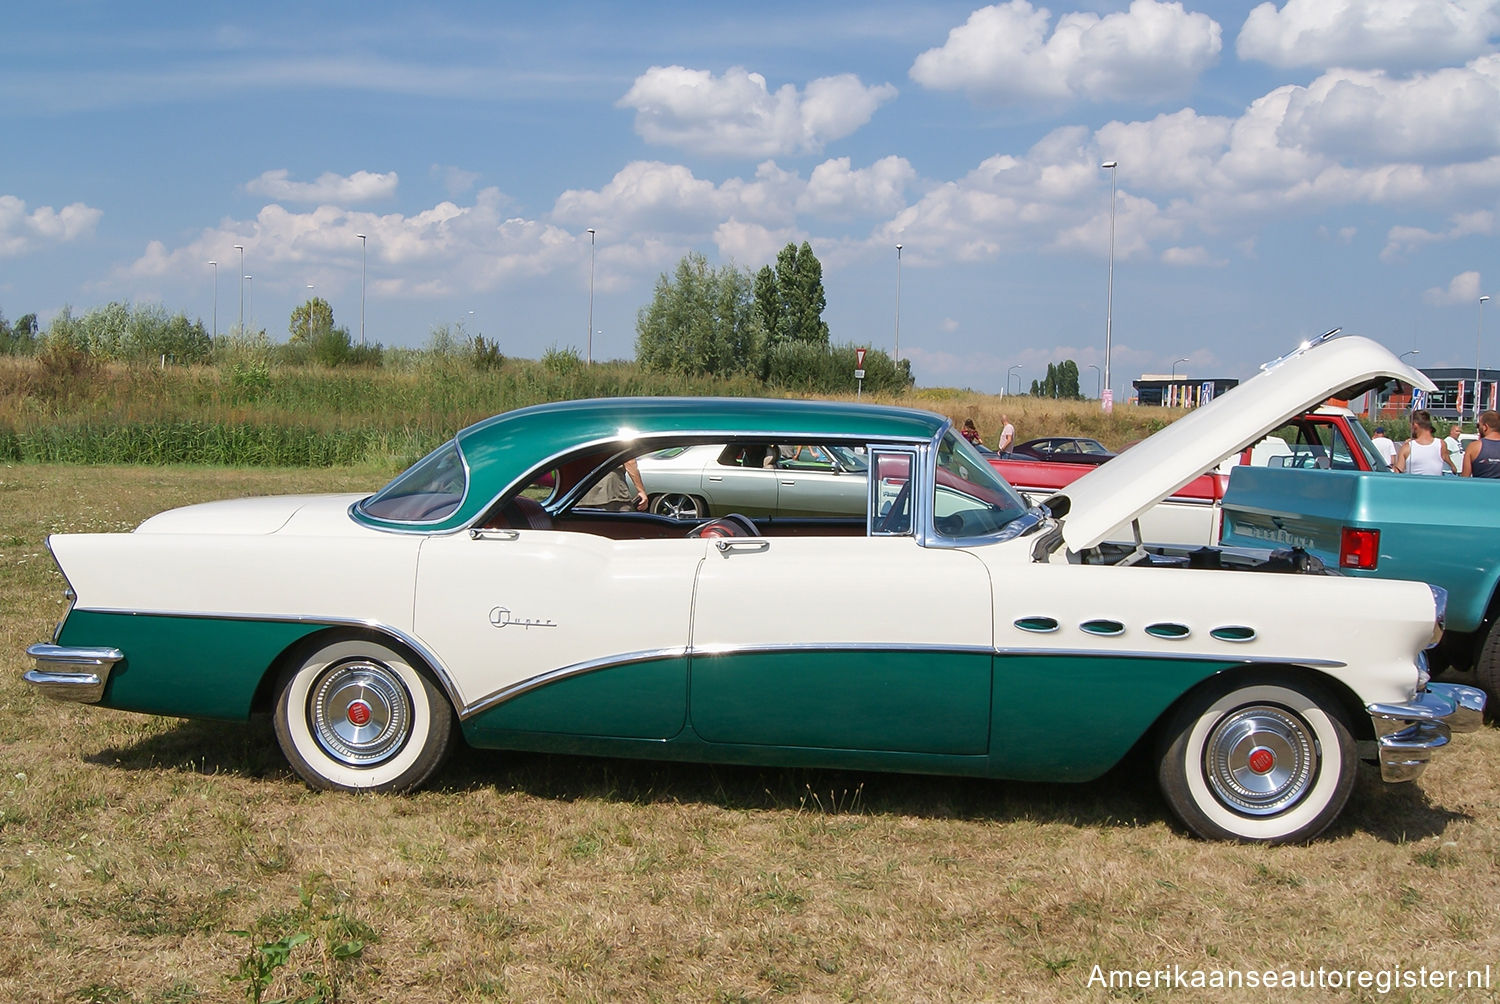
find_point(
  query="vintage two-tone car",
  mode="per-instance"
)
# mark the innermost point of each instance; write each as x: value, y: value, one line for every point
x: 960, y: 629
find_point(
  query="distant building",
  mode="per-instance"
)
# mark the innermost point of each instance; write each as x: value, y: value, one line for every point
x: 1455, y: 387
x: 1179, y: 391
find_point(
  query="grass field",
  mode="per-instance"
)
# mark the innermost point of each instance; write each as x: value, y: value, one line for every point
x: 134, y: 849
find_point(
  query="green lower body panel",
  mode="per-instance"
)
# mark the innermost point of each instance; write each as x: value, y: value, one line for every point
x: 1073, y: 717
x: 193, y: 667
x: 638, y: 700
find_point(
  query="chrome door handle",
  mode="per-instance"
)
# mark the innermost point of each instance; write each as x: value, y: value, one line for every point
x: 727, y: 544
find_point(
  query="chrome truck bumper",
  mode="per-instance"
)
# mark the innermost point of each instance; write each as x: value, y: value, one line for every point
x: 72, y: 674
x: 1408, y: 734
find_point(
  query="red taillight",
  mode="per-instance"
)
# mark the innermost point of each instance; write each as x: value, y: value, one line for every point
x: 1359, y: 548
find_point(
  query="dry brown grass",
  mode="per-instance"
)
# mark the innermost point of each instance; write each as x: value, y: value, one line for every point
x: 132, y: 847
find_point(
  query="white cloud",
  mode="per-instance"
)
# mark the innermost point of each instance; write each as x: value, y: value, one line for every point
x: 737, y: 115
x: 1368, y: 33
x: 22, y: 231
x: 1002, y: 53
x: 361, y: 186
x: 749, y: 244
x: 837, y: 190
x: 1400, y: 241
x: 455, y: 180
x: 445, y: 248
x: 1464, y: 288
x: 1368, y: 116
x: 1195, y: 256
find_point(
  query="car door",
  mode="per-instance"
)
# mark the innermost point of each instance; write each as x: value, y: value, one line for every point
x: 737, y: 480
x: 561, y: 631
x: 811, y: 482
x: 868, y: 642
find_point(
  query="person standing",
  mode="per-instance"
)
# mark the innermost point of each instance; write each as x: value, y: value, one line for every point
x: 1482, y: 458
x: 970, y: 433
x: 613, y: 492
x: 1423, y: 453
x: 1384, y: 445
x: 1007, y: 434
x: 1455, y: 442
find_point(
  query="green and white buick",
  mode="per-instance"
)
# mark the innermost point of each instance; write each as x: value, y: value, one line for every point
x: 943, y: 623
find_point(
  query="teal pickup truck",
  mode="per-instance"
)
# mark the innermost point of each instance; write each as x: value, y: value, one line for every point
x: 1441, y: 530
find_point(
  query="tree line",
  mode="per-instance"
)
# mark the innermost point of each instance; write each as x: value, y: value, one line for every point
x: 701, y: 321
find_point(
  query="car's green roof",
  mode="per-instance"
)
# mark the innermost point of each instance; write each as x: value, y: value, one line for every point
x: 501, y: 449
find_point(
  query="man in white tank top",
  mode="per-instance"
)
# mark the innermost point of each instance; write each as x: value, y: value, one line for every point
x: 1423, y: 453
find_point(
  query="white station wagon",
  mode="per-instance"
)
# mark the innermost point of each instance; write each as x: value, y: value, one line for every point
x: 960, y: 630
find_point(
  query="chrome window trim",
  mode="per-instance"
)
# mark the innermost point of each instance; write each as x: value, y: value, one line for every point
x: 917, y: 462
x: 415, y: 525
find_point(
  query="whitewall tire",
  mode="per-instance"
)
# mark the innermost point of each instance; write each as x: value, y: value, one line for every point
x: 356, y: 715
x: 1265, y: 760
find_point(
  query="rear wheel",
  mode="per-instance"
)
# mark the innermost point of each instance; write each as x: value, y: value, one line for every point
x: 1487, y: 666
x: 357, y: 715
x: 1266, y: 760
x: 677, y: 506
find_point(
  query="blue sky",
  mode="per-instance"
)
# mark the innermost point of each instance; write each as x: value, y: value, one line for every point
x: 1283, y: 169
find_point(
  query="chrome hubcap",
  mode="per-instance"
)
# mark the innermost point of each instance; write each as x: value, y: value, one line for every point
x: 1260, y: 760
x: 679, y: 507
x: 361, y: 713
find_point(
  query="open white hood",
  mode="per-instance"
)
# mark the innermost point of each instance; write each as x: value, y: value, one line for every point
x: 1119, y: 491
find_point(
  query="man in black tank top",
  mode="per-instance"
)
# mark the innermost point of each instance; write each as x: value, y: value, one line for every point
x: 1482, y: 457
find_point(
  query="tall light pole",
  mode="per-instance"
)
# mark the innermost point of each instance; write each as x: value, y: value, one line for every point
x: 1478, y: 339
x: 1174, y: 366
x: 241, y: 249
x: 216, y: 297
x: 1007, y: 376
x: 1112, y: 167
x: 898, y: 308
x: 251, y: 280
x: 590, y: 358
x: 1098, y: 380
x: 362, y: 288
x: 308, y: 327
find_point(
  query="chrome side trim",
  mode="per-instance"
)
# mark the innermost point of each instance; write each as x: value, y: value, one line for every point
x: 71, y: 674
x: 854, y: 646
x: 428, y: 656
x: 1227, y: 658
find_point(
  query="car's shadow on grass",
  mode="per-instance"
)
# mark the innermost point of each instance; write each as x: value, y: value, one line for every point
x: 1125, y: 797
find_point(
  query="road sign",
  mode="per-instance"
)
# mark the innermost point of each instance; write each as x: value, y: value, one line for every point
x: 859, y: 362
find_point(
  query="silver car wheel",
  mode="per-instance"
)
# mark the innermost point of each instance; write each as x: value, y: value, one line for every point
x: 360, y: 712
x: 683, y: 507
x: 1260, y: 760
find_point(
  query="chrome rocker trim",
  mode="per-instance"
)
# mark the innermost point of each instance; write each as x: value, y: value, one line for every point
x: 71, y: 674
x: 1408, y: 734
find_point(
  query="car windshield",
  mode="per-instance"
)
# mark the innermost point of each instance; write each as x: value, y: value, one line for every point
x: 971, y: 499
x: 429, y: 490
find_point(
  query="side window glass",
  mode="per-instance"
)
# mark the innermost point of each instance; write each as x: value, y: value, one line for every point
x: 891, y: 492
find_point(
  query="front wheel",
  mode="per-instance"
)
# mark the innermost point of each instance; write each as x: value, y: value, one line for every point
x: 1266, y: 761
x: 356, y: 715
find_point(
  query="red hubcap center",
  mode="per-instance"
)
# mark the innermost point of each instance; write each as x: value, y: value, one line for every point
x: 1262, y: 760
x: 359, y: 713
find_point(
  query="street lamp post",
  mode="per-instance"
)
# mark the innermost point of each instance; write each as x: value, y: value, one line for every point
x: 251, y: 280
x: 590, y: 360
x: 362, y: 288
x: 1112, y: 167
x: 1098, y: 379
x: 1007, y: 377
x: 1174, y: 366
x: 216, y: 297
x: 308, y: 327
x: 1478, y: 340
x: 241, y: 249
x: 898, y: 307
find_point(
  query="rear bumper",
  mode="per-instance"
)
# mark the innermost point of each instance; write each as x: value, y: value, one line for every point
x: 1407, y: 735
x: 72, y: 674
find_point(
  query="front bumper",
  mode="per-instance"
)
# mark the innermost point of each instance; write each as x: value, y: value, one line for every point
x: 1407, y: 735
x: 72, y: 674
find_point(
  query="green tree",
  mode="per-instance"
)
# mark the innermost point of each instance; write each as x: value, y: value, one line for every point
x: 791, y: 300
x: 310, y: 319
x: 701, y: 320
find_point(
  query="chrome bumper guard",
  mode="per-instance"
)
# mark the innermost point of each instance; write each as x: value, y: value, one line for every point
x: 72, y: 674
x: 1408, y: 734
